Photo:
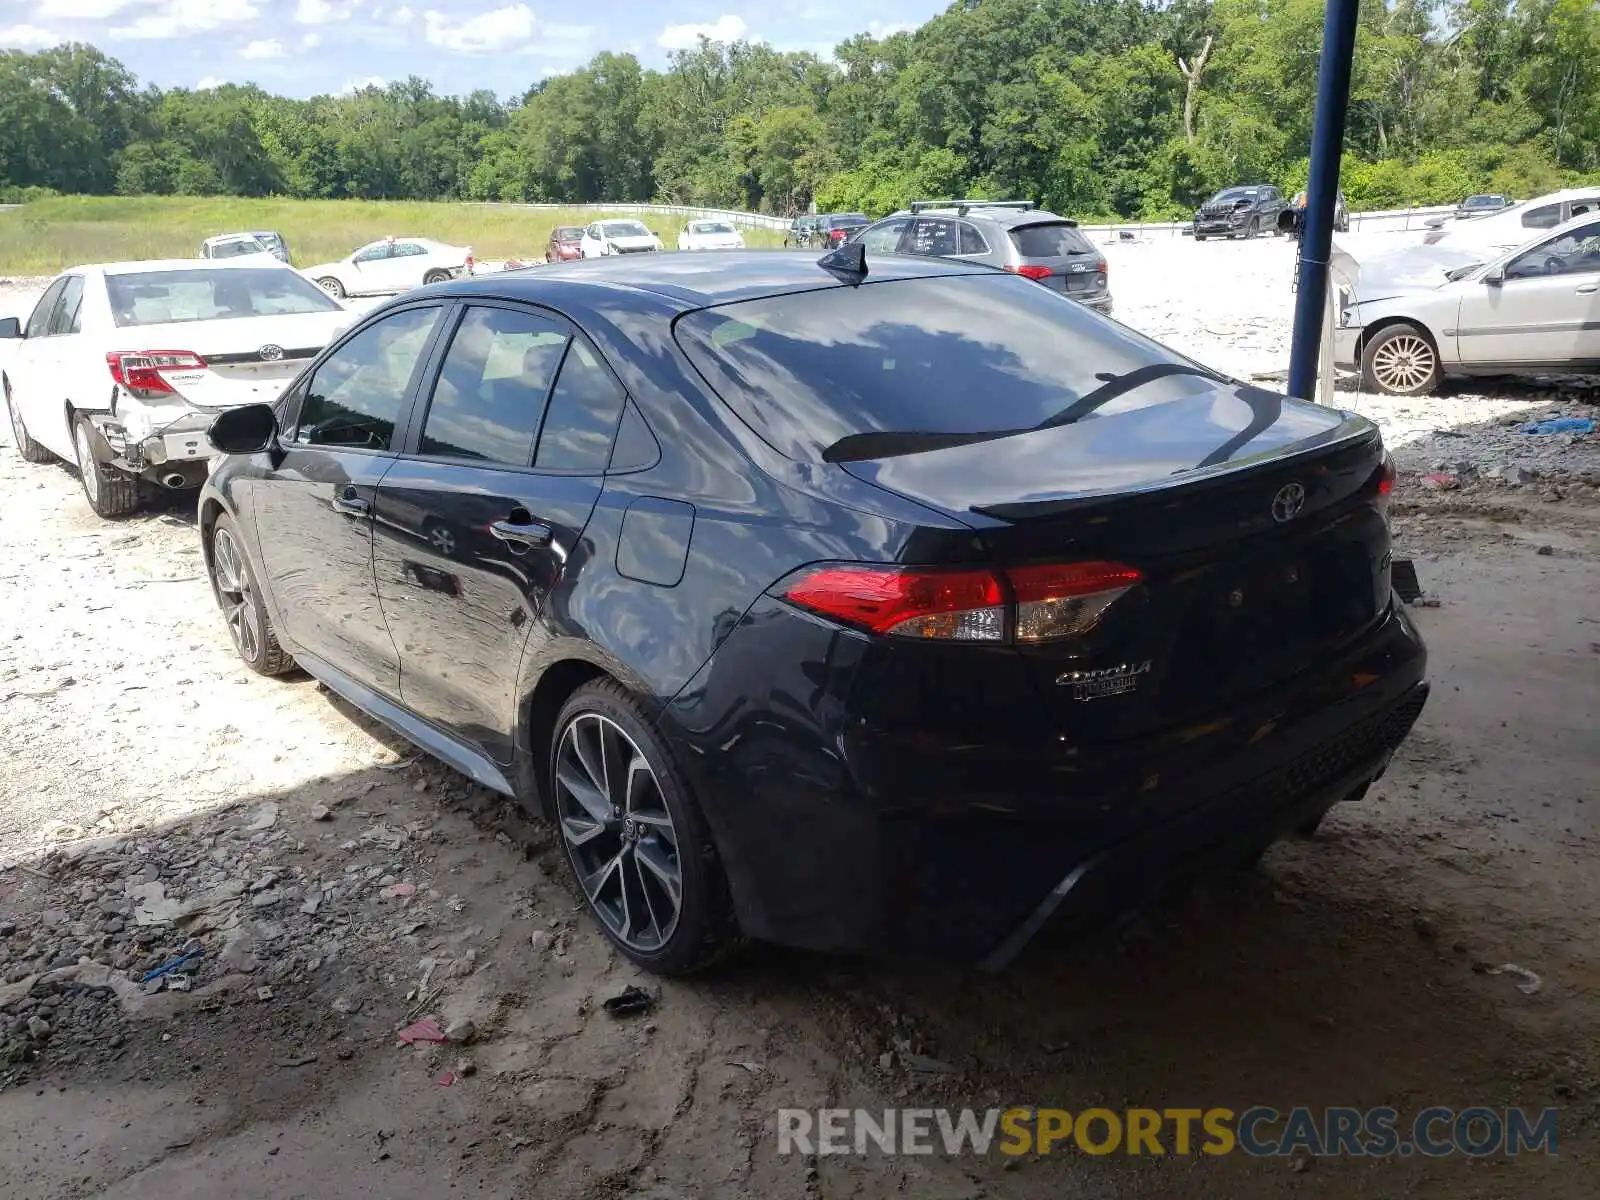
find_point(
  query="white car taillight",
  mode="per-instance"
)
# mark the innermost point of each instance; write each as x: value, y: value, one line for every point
x: 140, y: 370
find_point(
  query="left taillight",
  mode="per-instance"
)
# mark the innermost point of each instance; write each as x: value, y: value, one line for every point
x: 1034, y: 603
x: 1029, y: 270
x: 1384, y: 480
x: 140, y: 370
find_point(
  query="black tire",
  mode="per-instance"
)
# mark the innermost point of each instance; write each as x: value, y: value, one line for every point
x: 1307, y: 829
x: 332, y: 286
x: 703, y: 930
x: 30, y: 450
x: 435, y: 276
x: 1252, y: 229
x: 111, y: 492
x: 1400, y: 360
x: 233, y: 583
x: 1199, y: 237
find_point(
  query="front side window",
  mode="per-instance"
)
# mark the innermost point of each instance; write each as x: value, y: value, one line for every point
x: 583, y: 415
x: 1576, y: 252
x: 355, y: 398
x: 492, y: 386
x: 213, y: 294
x: 884, y: 238
x: 43, y: 311
x: 961, y: 354
x: 407, y: 250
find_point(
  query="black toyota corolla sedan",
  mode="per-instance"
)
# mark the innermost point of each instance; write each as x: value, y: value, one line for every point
x: 864, y: 604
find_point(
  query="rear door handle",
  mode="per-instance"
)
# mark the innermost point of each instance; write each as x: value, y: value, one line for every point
x: 351, y: 505
x: 521, y: 534
x: 1589, y: 289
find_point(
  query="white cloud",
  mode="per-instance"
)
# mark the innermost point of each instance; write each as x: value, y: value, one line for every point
x: 311, y: 41
x: 357, y: 85
x: 508, y: 28
x: 82, y: 10
x: 402, y: 16
x: 209, y: 82
x: 880, y: 30
x: 320, y: 12
x: 28, y: 37
x: 726, y: 28
x: 266, y: 48
x: 180, y: 18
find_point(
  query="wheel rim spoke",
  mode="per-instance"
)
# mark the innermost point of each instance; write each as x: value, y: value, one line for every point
x: 618, y: 831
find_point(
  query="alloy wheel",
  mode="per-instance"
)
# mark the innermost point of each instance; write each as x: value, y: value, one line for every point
x: 1403, y: 363
x: 238, y: 600
x: 442, y: 540
x: 619, y: 831
x: 88, y: 469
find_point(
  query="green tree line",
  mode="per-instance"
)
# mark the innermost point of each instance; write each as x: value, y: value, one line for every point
x: 1099, y: 108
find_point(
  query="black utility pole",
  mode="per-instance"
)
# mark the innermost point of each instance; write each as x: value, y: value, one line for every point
x: 1316, y: 242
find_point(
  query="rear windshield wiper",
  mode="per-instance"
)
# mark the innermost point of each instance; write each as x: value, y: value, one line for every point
x: 861, y: 447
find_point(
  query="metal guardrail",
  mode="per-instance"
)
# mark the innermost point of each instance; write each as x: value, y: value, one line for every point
x: 733, y: 216
x: 1394, y: 220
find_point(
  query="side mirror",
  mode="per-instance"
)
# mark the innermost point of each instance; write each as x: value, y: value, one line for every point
x: 10, y: 327
x: 248, y: 429
x: 1495, y: 277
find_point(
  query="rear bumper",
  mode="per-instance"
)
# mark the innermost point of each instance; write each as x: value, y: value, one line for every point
x: 858, y: 821
x: 1346, y: 343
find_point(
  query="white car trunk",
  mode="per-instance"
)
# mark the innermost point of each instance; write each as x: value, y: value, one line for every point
x: 237, y: 371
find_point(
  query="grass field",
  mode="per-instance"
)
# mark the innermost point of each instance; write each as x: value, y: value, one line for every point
x: 47, y: 236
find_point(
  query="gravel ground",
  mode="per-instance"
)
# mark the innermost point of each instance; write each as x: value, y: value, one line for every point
x: 156, y: 799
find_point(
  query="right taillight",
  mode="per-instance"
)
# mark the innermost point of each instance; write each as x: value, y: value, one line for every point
x: 1384, y: 488
x: 1036, y: 603
x: 1029, y: 270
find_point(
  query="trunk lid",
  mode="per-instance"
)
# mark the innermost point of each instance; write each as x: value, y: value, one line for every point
x: 248, y: 359
x: 1251, y: 517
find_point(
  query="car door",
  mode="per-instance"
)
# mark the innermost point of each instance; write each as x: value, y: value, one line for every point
x: 77, y: 379
x: 1545, y: 311
x: 34, y: 374
x: 313, y: 511
x: 479, y: 519
x: 369, y: 267
x: 408, y: 263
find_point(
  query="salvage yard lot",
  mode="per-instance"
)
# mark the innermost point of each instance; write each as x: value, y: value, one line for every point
x: 139, y: 751
x: 46, y: 236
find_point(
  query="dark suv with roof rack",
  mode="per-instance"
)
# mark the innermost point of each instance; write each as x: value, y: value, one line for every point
x: 1014, y: 235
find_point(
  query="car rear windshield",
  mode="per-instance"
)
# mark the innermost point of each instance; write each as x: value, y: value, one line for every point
x: 236, y: 249
x: 624, y: 229
x: 163, y: 297
x: 1049, y: 241
x: 844, y: 221
x: 567, y: 233
x: 953, y: 354
x: 710, y: 227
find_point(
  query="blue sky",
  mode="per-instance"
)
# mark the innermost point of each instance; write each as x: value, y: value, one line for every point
x: 303, y: 47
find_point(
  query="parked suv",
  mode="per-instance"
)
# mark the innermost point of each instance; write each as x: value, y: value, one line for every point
x: 833, y: 229
x: 1239, y: 212
x: 800, y: 230
x: 1013, y: 235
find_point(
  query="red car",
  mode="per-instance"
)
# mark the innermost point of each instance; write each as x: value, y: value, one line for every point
x: 563, y: 246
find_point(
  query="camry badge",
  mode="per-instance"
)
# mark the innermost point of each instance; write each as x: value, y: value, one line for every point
x: 270, y: 353
x: 1107, y: 681
x: 1286, y: 505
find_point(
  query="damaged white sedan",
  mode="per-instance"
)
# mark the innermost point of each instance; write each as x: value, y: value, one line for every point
x: 121, y: 367
x: 1407, y: 318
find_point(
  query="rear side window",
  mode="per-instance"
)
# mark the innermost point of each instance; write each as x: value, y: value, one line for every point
x: 357, y: 395
x: 1546, y: 216
x: 492, y: 387
x: 972, y: 241
x: 964, y: 354
x: 938, y: 236
x: 1049, y: 241
x: 583, y: 415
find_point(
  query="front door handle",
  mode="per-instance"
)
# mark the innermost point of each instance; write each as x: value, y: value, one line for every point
x: 350, y: 504
x: 1588, y: 289
x: 521, y: 534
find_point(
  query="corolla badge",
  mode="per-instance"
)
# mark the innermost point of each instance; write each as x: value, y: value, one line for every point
x: 270, y: 353
x: 1107, y: 681
x: 1286, y: 505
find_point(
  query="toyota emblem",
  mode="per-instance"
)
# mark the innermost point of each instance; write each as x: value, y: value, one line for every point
x: 1286, y: 505
x: 271, y: 353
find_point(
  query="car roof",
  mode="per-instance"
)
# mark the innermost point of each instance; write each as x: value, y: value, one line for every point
x: 1006, y: 218
x: 218, y: 238
x: 690, y: 282
x: 177, y: 264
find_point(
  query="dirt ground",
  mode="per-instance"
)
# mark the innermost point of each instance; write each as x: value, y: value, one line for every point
x: 155, y: 798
